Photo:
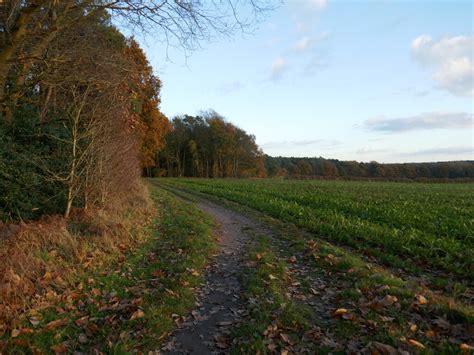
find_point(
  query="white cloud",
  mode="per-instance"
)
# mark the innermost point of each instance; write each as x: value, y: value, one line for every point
x: 450, y: 59
x: 303, y: 44
x: 441, y: 151
x: 307, y: 42
x: 279, y: 66
x: 424, y: 121
x: 369, y: 150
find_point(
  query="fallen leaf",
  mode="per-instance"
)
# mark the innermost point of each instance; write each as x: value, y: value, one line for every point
x: 421, y: 299
x: 388, y: 300
x: 46, y: 277
x: 158, y: 273
x: 382, y: 349
x: 137, y: 300
x: 258, y: 257
x: 312, y: 245
x: 271, y: 277
x: 466, y: 347
x: 122, y: 247
x: 413, y: 327
x: 339, y: 312
x: 430, y: 334
x: 332, y: 259
x: 34, y: 321
x: 93, y: 328
x: 416, y: 343
x: 59, y: 349
x: 171, y: 292
x: 137, y: 314
x: 15, y: 333
x: 285, y: 338
x: 82, y: 321
x: 56, y: 324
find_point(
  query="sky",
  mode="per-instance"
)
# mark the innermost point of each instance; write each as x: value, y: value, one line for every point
x: 390, y: 81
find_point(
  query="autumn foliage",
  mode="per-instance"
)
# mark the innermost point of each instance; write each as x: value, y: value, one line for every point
x: 209, y: 146
x: 78, y: 122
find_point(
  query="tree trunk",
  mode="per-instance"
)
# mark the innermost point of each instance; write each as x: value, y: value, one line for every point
x: 13, y: 43
x: 72, y: 171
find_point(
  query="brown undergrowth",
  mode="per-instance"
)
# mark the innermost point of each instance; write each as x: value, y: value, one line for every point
x: 42, y: 259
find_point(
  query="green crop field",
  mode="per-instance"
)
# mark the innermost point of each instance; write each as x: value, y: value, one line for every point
x: 418, y: 228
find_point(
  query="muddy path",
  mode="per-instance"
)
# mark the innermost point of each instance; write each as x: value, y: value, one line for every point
x: 219, y: 307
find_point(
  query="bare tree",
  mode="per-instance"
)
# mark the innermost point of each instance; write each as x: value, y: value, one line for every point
x: 27, y: 27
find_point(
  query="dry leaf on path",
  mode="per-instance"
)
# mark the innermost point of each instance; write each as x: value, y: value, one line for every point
x: 416, y: 343
x: 381, y: 348
x: 466, y: 347
x: 59, y: 349
x: 137, y: 314
x: 158, y: 273
x: 56, y: 324
x: 339, y: 312
x: 421, y: 299
x: 82, y: 321
x: 388, y: 300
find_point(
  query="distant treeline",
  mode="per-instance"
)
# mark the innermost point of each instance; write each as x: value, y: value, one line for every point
x: 332, y: 168
x: 208, y: 146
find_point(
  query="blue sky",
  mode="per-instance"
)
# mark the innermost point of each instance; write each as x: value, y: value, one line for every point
x: 390, y: 81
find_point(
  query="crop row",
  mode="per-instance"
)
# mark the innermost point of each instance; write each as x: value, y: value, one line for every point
x: 412, y: 226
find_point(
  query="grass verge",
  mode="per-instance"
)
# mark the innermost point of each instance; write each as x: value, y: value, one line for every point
x: 129, y: 300
x: 275, y: 320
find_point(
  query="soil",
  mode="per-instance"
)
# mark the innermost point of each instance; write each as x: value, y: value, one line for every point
x: 219, y: 308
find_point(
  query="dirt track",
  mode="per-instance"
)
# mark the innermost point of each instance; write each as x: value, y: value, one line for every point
x: 219, y: 305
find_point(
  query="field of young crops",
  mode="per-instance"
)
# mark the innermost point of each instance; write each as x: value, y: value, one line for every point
x: 416, y: 227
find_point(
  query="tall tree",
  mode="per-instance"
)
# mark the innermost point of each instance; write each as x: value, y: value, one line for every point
x: 151, y: 123
x: 209, y: 146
